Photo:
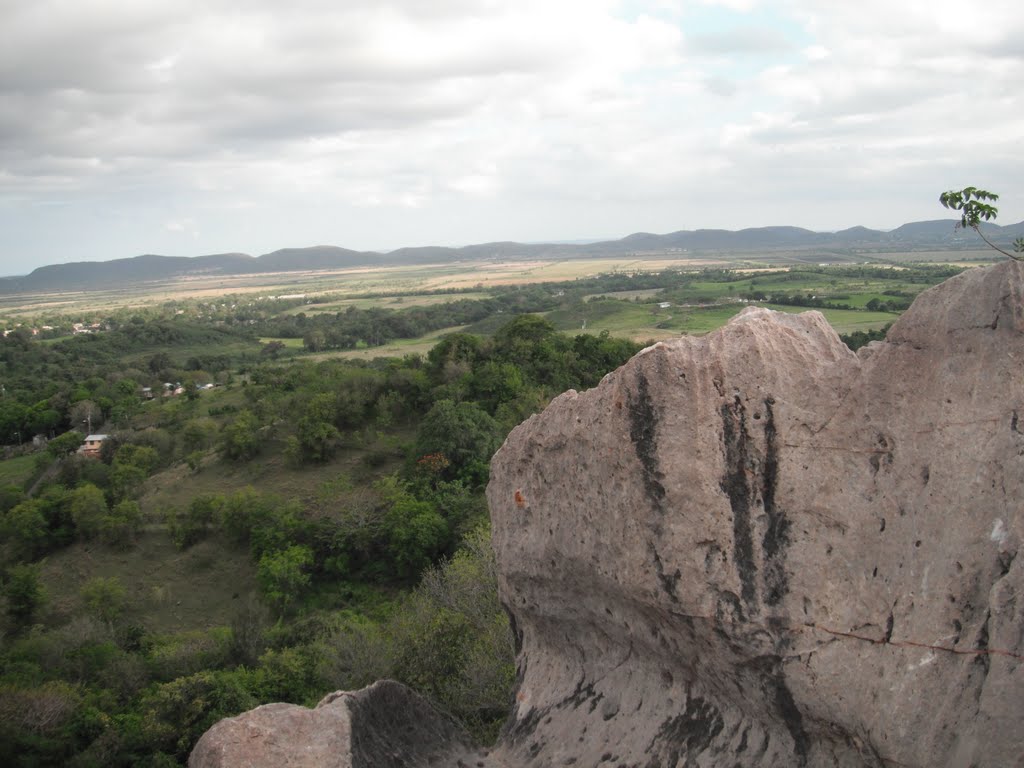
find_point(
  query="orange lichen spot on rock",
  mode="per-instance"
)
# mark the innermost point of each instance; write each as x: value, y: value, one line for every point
x: 520, y: 499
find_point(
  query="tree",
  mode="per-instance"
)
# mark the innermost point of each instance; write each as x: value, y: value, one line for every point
x: 64, y: 444
x: 283, y: 575
x: 189, y: 526
x: 464, y: 434
x: 970, y: 202
x: 160, y: 362
x: 317, y: 440
x: 87, y: 415
x: 416, y: 533
x: 240, y: 440
x: 88, y: 508
x: 122, y: 524
x: 24, y: 591
x: 26, y: 529
x: 198, y: 433
x: 104, y: 597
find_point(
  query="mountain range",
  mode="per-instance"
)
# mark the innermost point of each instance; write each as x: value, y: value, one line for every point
x: 90, y: 275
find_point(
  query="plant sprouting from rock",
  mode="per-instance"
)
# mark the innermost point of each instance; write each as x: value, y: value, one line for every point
x: 975, y: 206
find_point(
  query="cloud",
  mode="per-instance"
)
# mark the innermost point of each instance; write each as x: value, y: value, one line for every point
x: 385, y: 124
x: 742, y: 39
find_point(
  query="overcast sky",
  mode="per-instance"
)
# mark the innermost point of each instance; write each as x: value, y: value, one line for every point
x: 187, y: 127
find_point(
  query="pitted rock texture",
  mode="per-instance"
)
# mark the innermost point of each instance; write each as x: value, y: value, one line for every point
x: 382, y: 726
x: 758, y: 548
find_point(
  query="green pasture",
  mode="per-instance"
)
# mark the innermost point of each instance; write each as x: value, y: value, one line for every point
x: 846, y: 320
x: 288, y: 343
x: 17, y: 471
x: 397, y: 348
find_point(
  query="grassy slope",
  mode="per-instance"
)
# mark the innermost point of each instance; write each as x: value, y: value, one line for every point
x: 17, y: 470
x: 167, y: 590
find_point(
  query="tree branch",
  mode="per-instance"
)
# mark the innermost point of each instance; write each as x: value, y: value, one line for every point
x: 993, y: 245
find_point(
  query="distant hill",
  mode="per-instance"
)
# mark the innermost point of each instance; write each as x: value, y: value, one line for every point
x: 92, y: 275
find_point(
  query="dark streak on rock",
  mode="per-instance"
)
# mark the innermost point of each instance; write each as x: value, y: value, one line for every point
x: 643, y: 426
x: 1005, y: 560
x: 736, y: 485
x: 792, y: 718
x: 776, y: 537
x: 669, y: 582
x: 689, y: 734
x: 582, y: 693
x: 518, y: 728
x: 982, y: 659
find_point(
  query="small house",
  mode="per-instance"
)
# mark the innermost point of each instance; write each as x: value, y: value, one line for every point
x: 91, y: 446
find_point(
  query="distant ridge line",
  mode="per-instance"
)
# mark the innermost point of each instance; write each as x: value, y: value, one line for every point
x: 91, y: 275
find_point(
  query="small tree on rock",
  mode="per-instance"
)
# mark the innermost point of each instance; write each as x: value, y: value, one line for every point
x: 973, y: 208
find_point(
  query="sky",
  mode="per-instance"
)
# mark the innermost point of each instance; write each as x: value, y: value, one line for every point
x: 188, y: 127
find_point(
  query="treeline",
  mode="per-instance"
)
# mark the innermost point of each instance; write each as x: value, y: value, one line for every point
x: 375, y: 327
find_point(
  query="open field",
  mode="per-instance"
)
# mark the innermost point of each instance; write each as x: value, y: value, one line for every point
x: 386, y: 302
x: 846, y: 320
x: 397, y: 348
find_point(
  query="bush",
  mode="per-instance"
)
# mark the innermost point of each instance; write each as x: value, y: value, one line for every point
x: 104, y: 597
x: 88, y: 508
x: 25, y: 527
x: 240, y: 439
x: 450, y: 640
x: 24, y: 591
x: 122, y: 525
x: 176, y: 714
x: 284, y: 574
x: 188, y: 653
x: 67, y: 443
x: 195, y: 523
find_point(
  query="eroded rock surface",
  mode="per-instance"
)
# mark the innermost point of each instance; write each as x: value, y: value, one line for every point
x: 748, y: 549
x: 758, y: 548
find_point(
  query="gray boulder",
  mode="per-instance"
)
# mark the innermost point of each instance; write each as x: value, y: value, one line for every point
x: 758, y: 548
x: 382, y: 726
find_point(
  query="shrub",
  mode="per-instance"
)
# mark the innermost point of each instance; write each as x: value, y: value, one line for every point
x: 284, y: 574
x: 24, y: 591
x: 25, y: 527
x: 105, y: 598
x: 176, y: 714
x: 121, y: 526
x: 88, y: 508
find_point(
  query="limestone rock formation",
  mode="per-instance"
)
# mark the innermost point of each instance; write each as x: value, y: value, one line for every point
x: 757, y: 548
x: 382, y: 726
x: 753, y: 548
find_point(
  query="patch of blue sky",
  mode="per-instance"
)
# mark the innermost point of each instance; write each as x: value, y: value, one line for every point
x: 732, y: 45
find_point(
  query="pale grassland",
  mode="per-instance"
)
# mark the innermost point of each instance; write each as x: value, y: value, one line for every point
x: 388, y: 281
x: 398, y: 348
x: 386, y: 302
